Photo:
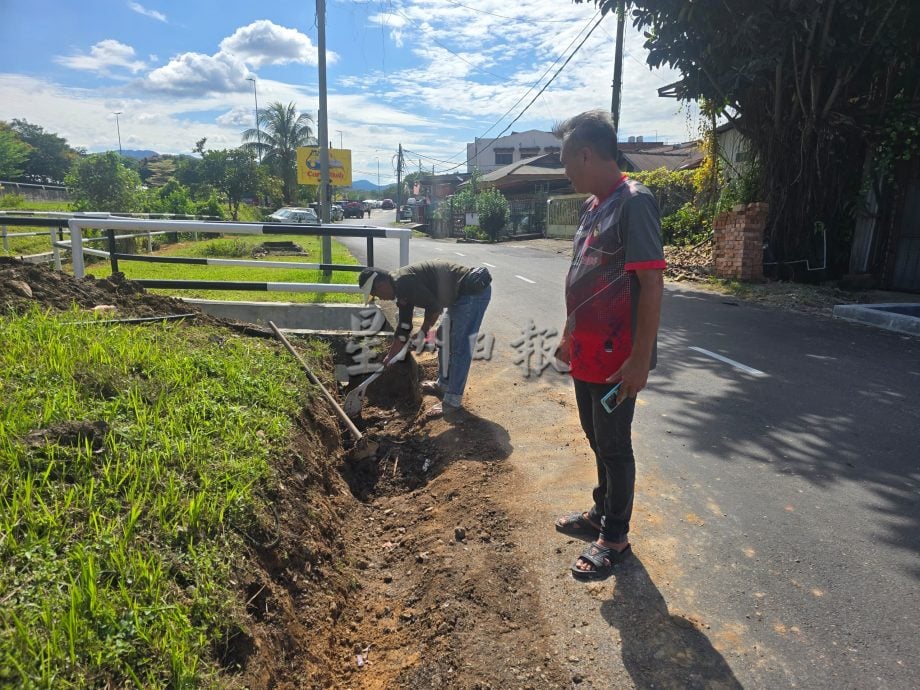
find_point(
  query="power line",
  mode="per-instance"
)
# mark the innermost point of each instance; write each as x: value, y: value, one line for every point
x: 489, y: 145
x: 539, y: 93
x: 533, y: 86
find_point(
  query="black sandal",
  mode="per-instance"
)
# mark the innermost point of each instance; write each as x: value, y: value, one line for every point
x: 603, y: 558
x: 578, y: 524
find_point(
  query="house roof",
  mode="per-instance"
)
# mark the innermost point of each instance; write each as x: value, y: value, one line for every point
x: 547, y: 166
x: 678, y: 157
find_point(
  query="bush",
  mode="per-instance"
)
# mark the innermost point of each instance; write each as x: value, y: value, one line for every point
x: 474, y: 232
x: 672, y: 188
x: 688, y: 225
x: 12, y: 200
x: 226, y: 248
x: 492, y: 207
x: 210, y: 207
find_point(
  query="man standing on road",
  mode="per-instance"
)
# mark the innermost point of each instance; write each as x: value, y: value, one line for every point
x: 435, y: 285
x: 613, y: 302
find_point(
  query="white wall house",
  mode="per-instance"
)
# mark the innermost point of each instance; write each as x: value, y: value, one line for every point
x: 487, y: 155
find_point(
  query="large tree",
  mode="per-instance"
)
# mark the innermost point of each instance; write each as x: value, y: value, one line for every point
x: 813, y: 85
x: 234, y: 173
x: 13, y: 153
x: 281, y: 131
x: 50, y: 156
x: 102, y: 182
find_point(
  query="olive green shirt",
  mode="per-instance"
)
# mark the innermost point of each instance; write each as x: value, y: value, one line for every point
x: 431, y: 285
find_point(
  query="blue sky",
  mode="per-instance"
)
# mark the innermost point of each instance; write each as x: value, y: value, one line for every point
x: 430, y: 74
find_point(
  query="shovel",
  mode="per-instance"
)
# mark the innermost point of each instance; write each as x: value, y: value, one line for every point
x: 354, y: 401
x: 363, y: 448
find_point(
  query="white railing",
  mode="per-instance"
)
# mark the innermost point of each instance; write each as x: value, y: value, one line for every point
x: 78, y: 249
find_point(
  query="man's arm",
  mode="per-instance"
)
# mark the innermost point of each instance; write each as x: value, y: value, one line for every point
x: 634, y: 372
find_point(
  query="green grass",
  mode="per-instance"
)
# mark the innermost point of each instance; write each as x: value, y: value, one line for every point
x: 240, y: 247
x: 117, y: 558
x: 19, y: 246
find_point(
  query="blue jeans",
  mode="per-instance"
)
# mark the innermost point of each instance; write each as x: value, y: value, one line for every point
x: 464, y: 322
x: 610, y: 437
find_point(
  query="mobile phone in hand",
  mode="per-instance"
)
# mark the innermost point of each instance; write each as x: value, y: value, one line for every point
x: 609, y: 401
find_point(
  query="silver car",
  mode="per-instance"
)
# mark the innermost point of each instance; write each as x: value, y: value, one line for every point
x: 290, y: 214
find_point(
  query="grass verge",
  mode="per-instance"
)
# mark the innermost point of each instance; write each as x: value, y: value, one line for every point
x: 240, y: 247
x: 131, y: 462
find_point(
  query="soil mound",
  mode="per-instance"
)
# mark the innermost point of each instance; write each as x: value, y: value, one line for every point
x: 23, y: 285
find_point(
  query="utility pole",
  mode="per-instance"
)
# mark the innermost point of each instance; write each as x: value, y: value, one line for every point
x: 618, y: 67
x: 399, y: 164
x: 258, y: 131
x: 323, y: 130
x: 118, y: 129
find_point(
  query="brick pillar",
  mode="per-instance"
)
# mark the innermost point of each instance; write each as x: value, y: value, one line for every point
x: 738, y: 242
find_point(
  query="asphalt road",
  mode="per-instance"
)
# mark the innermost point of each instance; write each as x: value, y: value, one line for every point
x: 791, y: 446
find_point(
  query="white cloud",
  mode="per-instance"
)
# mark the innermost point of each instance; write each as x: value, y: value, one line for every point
x: 237, y: 117
x: 104, y: 56
x: 153, y: 14
x: 198, y: 74
x: 266, y: 43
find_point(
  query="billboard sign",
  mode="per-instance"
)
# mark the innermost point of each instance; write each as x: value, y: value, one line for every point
x: 308, y: 166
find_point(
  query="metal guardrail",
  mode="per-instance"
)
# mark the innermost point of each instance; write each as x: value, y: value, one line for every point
x: 75, y: 224
x: 76, y: 244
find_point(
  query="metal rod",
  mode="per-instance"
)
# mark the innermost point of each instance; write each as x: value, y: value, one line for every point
x: 353, y: 430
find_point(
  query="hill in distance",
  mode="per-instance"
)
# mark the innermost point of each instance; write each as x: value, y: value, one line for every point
x: 365, y: 185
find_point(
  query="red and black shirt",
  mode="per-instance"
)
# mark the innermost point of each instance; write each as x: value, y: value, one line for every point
x: 617, y: 235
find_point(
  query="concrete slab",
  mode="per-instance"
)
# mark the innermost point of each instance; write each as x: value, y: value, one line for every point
x: 306, y: 318
x: 894, y: 316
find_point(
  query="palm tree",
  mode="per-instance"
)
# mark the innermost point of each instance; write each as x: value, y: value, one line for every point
x: 281, y: 131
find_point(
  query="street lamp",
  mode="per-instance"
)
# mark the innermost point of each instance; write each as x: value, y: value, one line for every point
x: 378, y: 173
x: 118, y: 129
x: 258, y: 131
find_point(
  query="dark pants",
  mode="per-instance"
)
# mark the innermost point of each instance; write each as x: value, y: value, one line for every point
x: 610, y: 436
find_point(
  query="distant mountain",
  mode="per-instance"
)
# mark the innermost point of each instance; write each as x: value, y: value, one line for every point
x: 365, y: 186
x: 136, y: 153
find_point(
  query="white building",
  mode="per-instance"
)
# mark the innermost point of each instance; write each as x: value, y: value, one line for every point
x: 487, y: 155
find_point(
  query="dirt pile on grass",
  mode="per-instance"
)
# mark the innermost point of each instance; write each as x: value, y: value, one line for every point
x: 23, y: 285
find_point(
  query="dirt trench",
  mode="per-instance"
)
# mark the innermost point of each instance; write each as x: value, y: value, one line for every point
x: 396, y: 571
x: 435, y: 595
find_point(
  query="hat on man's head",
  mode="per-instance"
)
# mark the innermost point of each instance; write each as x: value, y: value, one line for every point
x: 366, y: 280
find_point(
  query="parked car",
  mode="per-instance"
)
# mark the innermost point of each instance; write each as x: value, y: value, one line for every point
x: 290, y: 214
x: 354, y: 209
x: 371, y: 203
x: 387, y: 204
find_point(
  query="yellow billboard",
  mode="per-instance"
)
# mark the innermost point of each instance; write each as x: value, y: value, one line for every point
x: 308, y: 166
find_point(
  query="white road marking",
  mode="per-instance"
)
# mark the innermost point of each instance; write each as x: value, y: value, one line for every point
x: 459, y: 254
x: 526, y: 280
x: 488, y: 264
x: 737, y: 365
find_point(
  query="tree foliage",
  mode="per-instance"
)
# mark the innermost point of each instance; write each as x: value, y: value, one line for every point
x: 234, y: 173
x: 807, y: 83
x: 102, y: 182
x: 281, y: 131
x: 492, y: 208
x: 13, y: 154
x: 50, y: 157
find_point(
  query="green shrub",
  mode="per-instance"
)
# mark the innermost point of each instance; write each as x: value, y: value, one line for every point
x: 12, y: 200
x: 474, y: 232
x: 492, y: 207
x: 688, y: 225
x: 226, y: 248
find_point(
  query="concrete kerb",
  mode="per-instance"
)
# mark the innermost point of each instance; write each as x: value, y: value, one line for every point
x: 899, y: 317
x: 335, y: 319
